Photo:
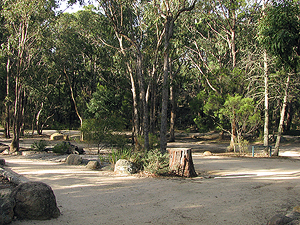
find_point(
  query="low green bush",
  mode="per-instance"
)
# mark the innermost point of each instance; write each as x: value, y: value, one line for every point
x: 156, y: 163
x: 151, y: 162
x: 61, y: 148
x: 39, y: 145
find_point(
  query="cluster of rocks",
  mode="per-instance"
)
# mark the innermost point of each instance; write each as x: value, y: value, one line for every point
x: 28, y: 200
x: 291, y: 218
x: 75, y: 159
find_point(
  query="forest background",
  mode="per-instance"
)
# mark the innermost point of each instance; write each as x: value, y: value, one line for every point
x: 151, y: 67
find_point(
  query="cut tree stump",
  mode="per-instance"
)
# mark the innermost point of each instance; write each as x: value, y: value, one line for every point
x: 181, y: 162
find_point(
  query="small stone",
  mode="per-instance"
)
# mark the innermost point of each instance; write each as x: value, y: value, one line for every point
x: 279, y: 220
x: 93, y: 165
x: 207, y: 153
x: 296, y: 209
x: 56, y: 136
x: 74, y: 159
x: 5, y: 152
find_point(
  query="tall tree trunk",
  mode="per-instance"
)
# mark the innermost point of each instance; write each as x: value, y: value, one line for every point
x: 165, y: 89
x: 135, y: 116
x: 7, y: 101
x: 282, y: 115
x: 266, y: 79
x: 74, y: 101
x: 233, y: 53
x: 173, y: 102
x: 168, y: 28
x: 153, y: 108
x: 38, y: 124
x: 14, y: 146
x: 289, y: 116
x: 173, y: 113
x: 143, y: 100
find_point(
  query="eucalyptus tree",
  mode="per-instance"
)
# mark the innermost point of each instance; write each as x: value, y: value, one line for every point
x: 169, y: 12
x: 126, y: 18
x: 25, y: 22
x: 218, y: 34
x: 280, y: 35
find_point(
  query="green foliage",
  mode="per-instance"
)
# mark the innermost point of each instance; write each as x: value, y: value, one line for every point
x: 101, y: 131
x: 279, y: 31
x: 61, y: 148
x: 243, y: 114
x: 156, y: 163
x: 153, y: 142
x: 207, y: 107
x: 122, y: 153
x: 39, y: 145
x: 151, y: 162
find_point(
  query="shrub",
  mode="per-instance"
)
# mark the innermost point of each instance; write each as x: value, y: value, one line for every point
x: 122, y: 153
x: 39, y: 145
x: 61, y: 148
x: 156, y: 163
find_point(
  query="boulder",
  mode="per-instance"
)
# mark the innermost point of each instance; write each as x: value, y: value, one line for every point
x: 7, y: 205
x: 35, y: 201
x: 74, y: 159
x: 207, y: 153
x: 279, y: 220
x: 124, y: 167
x: 93, y: 165
x: 56, y: 136
x: 75, y: 149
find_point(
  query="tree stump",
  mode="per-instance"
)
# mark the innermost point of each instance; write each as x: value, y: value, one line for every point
x: 181, y: 162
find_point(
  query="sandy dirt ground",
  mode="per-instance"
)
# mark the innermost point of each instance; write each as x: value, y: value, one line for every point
x: 229, y: 190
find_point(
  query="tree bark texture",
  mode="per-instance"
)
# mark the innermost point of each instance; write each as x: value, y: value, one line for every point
x: 280, y: 128
x: 7, y: 102
x: 266, y: 124
x: 165, y: 89
x: 266, y: 79
x: 181, y: 162
x: 173, y: 108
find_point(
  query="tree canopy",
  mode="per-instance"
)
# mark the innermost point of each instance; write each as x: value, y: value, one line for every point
x: 149, y: 67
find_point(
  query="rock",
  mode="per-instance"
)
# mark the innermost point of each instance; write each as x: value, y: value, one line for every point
x: 3, y: 147
x: 35, y: 201
x: 207, y: 153
x: 2, y: 162
x: 124, y: 167
x: 66, y: 137
x: 7, y: 205
x: 296, y: 209
x: 6, y: 152
x: 56, y: 136
x: 293, y: 215
x: 74, y: 159
x: 279, y: 220
x: 93, y: 165
x: 27, y: 153
x: 73, y: 149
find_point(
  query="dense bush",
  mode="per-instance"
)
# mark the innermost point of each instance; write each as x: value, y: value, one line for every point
x: 39, y: 145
